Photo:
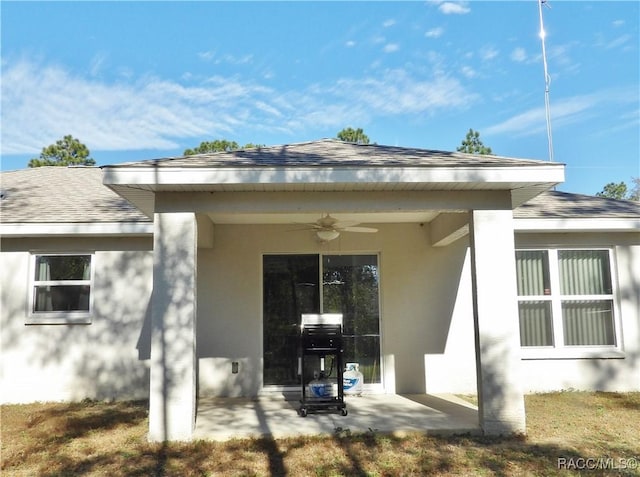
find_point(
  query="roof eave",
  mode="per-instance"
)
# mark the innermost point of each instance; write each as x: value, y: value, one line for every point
x: 149, y: 176
x: 138, y: 184
x: 120, y: 229
x: 576, y: 224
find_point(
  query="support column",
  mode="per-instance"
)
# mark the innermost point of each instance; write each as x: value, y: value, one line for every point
x: 172, y: 394
x: 497, y: 338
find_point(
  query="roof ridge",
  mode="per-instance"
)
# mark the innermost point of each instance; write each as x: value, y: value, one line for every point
x: 333, y: 151
x: 51, y: 168
x: 241, y: 149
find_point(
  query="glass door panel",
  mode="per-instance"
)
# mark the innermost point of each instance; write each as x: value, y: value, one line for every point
x: 350, y: 286
x: 290, y: 288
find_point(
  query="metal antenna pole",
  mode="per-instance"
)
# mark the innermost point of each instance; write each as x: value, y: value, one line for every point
x: 547, y: 82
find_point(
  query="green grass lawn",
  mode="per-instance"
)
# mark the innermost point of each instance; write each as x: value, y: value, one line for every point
x: 583, y: 433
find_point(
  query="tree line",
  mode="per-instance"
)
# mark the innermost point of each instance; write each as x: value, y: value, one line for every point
x: 70, y: 151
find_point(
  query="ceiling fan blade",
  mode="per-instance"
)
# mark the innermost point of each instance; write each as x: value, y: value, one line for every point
x: 345, y: 224
x: 328, y: 223
x: 368, y: 230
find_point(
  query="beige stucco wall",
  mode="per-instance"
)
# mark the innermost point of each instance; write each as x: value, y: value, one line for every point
x: 450, y: 371
x: 426, y: 315
x: 426, y: 310
x: 105, y: 359
x: 419, y: 292
x: 608, y: 374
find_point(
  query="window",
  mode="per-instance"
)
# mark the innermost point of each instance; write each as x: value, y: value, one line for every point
x: 61, y: 289
x: 296, y: 284
x: 565, y: 299
x: 534, y: 293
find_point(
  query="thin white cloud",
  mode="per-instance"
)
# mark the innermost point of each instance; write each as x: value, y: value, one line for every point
x: 566, y: 111
x: 618, y: 42
x: 41, y: 103
x: 212, y: 56
x: 561, y: 55
x: 454, y: 8
x: 269, y: 109
x: 396, y: 92
x: 206, y: 55
x: 97, y: 64
x: 488, y: 53
x: 350, y: 44
x: 389, y: 23
x: 468, y: 72
x: 236, y: 60
x: 391, y: 47
x: 434, y: 32
x: 519, y: 55
x: 626, y: 120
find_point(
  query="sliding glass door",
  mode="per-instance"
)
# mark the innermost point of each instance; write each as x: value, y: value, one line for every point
x: 297, y: 284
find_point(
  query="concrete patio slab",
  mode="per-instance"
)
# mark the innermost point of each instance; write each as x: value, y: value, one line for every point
x: 276, y: 416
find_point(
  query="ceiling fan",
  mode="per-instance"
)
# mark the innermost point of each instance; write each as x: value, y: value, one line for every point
x: 329, y: 228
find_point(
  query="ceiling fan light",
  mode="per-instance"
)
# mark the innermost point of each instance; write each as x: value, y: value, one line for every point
x: 327, y: 235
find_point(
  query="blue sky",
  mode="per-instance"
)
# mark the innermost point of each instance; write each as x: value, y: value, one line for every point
x: 142, y: 80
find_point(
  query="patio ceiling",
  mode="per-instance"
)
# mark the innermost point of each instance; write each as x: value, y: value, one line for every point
x: 305, y: 218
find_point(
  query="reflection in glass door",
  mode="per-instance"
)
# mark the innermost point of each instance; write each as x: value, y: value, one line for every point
x: 292, y: 286
x: 350, y: 286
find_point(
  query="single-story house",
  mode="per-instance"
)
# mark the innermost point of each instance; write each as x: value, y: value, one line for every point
x: 183, y: 277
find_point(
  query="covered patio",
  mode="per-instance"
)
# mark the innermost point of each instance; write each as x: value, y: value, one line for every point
x: 274, y: 416
x: 444, y: 307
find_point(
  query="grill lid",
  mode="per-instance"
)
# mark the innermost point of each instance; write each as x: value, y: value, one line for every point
x: 323, y: 319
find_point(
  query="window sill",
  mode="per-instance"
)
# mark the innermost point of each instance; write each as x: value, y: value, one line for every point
x: 572, y: 353
x: 58, y: 320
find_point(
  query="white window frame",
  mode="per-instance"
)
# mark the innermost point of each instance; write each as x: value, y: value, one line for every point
x: 59, y: 317
x: 559, y: 349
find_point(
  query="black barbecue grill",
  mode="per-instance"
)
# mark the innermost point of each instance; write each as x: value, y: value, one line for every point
x: 321, y: 337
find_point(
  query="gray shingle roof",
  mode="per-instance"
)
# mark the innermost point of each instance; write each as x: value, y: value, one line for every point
x: 554, y: 204
x: 332, y: 152
x: 62, y: 195
x: 77, y: 195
